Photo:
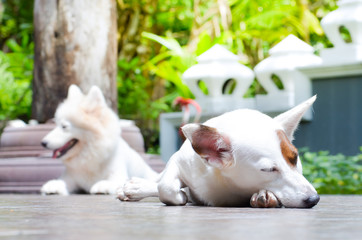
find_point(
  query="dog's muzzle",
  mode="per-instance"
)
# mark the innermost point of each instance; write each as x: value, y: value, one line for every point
x: 59, y: 152
x: 311, y: 201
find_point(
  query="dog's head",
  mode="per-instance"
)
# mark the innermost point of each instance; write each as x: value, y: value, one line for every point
x: 255, y: 153
x: 78, y: 119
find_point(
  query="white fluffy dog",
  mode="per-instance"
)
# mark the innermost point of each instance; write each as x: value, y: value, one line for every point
x: 87, y: 139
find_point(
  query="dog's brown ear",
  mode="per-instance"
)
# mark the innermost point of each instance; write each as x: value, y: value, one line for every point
x: 209, y: 144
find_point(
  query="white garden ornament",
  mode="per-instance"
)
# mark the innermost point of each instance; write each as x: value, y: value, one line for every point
x: 225, y: 78
x: 282, y: 64
x: 348, y: 16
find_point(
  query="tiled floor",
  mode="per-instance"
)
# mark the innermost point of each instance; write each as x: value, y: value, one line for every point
x: 103, y: 217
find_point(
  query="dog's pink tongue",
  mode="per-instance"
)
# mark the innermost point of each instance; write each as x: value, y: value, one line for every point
x: 55, y: 153
x: 59, y: 150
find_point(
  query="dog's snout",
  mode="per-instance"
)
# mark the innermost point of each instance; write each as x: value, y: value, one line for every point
x: 311, y: 201
x: 44, y: 143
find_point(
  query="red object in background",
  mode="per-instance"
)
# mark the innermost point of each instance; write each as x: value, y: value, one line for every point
x: 185, y: 103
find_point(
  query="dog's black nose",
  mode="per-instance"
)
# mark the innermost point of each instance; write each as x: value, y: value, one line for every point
x: 44, y: 143
x: 311, y: 201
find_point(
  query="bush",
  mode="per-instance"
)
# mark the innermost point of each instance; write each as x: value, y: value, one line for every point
x: 333, y: 174
x: 138, y: 100
x: 16, y: 60
x: 15, y: 94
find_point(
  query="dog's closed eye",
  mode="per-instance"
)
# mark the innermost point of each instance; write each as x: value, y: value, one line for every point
x: 65, y: 125
x: 272, y: 169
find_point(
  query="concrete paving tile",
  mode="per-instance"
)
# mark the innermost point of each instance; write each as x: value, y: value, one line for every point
x: 104, y: 217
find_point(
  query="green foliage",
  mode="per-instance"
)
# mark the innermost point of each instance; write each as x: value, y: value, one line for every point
x: 174, y: 16
x: 133, y: 92
x: 135, y: 100
x: 184, y: 31
x: 171, y: 62
x: 333, y: 174
x: 16, y: 62
x: 256, y: 26
x: 17, y: 20
x: 21, y: 58
x: 15, y: 97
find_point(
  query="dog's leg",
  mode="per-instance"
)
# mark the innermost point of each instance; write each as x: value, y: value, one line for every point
x: 264, y: 199
x: 56, y: 186
x: 63, y: 186
x: 137, y: 189
x: 104, y: 187
x: 170, y: 186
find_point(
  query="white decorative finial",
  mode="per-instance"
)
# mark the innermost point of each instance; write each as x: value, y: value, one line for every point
x: 346, y: 18
x: 217, y: 53
x: 285, y: 58
x: 291, y: 44
x: 219, y: 70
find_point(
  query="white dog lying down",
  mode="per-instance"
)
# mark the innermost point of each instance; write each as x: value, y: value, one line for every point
x: 87, y: 138
x: 240, y: 158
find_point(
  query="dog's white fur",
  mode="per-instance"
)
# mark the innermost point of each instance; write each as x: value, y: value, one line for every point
x: 100, y: 161
x: 239, y: 158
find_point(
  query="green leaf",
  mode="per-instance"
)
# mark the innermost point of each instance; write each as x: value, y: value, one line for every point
x: 169, y: 43
x: 13, y: 45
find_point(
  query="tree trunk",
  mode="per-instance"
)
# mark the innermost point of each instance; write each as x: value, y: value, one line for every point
x: 75, y: 43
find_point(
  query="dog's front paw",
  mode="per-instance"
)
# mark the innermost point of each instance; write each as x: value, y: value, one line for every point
x: 136, y: 189
x: 104, y: 187
x: 129, y: 191
x: 264, y: 199
x: 54, y: 187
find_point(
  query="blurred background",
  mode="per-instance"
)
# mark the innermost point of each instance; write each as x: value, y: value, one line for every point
x: 158, y: 40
